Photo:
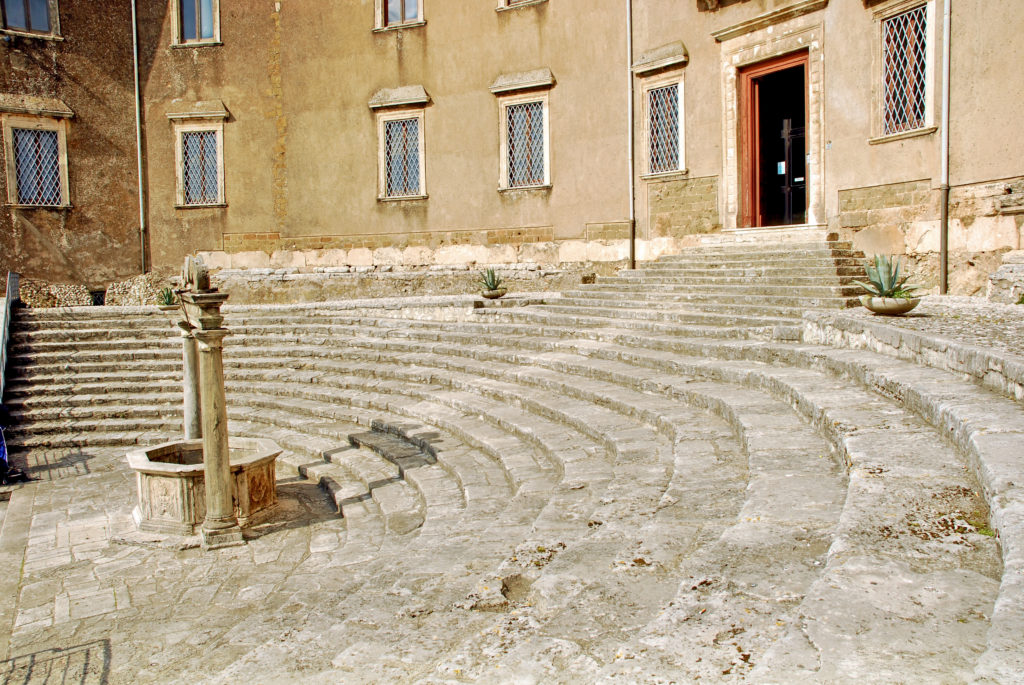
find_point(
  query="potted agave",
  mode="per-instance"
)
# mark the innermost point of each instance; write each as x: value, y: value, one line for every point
x: 490, y: 285
x: 166, y: 300
x: 889, y: 292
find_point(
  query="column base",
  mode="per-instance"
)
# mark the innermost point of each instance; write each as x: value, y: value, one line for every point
x: 222, y: 537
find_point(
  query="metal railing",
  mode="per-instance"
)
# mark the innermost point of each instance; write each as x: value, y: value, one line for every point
x: 5, y: 325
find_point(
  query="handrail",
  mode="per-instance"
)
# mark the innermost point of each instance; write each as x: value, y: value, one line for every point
x: 11, y: 296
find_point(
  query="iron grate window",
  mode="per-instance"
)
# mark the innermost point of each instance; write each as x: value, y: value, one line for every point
x: 402, y: 157
x: 37, y: 167
x: 199, y: 167
x: 904, y: 50
x: 663, y: 113
x: 526, y: 145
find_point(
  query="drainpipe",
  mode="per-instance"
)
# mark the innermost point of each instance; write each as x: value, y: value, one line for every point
x: 138, y: 136
x: 631, y: 147
x: 944, y: 186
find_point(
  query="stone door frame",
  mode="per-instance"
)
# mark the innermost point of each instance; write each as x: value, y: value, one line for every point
x: 802, y: 34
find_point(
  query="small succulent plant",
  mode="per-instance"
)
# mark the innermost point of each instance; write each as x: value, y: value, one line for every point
x: 166, y: 298
x: 884, y: 279
x: 490, y: 280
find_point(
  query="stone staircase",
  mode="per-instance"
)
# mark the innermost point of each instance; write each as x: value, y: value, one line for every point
x: 647, y: 478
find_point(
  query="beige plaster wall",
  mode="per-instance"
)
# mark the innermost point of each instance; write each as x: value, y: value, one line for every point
x: 96, y: 239
x: 301, y: 142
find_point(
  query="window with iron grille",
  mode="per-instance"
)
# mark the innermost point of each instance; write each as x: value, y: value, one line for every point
x: 32, y: 16
x: 402, y: 158
x: 198, y: 21
x: 663, y: 129
x: 37, y: 167
x: 200, y: 168
x: 397, y: 12
x: 526, y: 144
x: 904, y: 64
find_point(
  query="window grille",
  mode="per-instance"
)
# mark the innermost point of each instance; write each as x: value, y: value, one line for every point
x: 526, y: 145
x: 37, y: 167
x: 402, y: 157
x: 401, y: 11
x: 663, y: 124
x: 904, y: 51
x: 196, y: 20
x: 199, y: 168
x: 27, y: 15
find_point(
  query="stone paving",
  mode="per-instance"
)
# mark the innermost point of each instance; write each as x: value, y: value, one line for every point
x: 609, y: 498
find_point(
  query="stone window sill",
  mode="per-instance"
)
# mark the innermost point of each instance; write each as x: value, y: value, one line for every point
x: 678, y: 175
x: 30, y: 34
x: 518, y: 5
x: 516, y: 189
x: 197, y: 44
x: 402, y: 198
x: 212, y: 205
x: 15, y: 205
x: 399, y: 27
x: 903, y: 136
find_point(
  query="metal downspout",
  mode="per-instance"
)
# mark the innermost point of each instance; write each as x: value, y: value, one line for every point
x: 138, y: 136
x: 944, y: 183
x: 632, y: 145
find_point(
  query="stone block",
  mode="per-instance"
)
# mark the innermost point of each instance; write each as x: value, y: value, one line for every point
x: 328, y: 257
x: 288, y: 259
x: 988, y: 233
x: 417, y: 255
x: 360, y: 256
x: 545, y: 253
x: 572, y: 251
x: 607, y: 251
x: 886, y: 239
x: 387, y: 256
x: 255, y: 259
x: 216, y: 259
x: 1006, y: 285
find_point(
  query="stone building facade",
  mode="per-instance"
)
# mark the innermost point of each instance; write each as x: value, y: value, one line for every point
x: 287, y: 133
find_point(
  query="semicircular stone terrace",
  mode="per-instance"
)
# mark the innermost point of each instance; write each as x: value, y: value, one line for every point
x: 626, y: 482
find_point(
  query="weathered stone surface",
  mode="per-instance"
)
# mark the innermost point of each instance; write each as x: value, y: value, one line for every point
x: 635, y: 487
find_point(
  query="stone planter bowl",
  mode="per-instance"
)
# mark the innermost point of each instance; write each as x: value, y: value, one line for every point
x: 493, y: 294
x: 889, y: 306
x: 172, y: 487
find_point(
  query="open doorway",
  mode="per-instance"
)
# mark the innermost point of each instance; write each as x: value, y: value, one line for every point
x: 773, y: 97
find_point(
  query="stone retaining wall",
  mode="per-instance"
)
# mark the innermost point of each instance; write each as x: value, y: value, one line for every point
x: 985, y: 220
x: 683, y: 207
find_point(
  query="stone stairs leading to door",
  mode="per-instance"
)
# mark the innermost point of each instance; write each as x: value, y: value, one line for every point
x: 592, y: 483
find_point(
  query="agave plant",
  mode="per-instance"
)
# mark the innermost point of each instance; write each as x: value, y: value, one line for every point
x: 490, y: 280
x: 166, y: 298
x: 884, y: 279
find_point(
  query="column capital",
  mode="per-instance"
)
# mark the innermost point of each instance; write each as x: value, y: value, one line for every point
x: 210, y: 340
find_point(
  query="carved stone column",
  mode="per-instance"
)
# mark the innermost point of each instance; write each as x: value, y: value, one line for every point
x: 220, y: 527
x: 190, y: 383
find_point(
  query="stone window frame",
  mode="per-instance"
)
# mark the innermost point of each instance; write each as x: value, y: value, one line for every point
x: 506, y: 100
x: 505, y: 5
x: 932, y: 37
x: 53, y: 34
x: 36, y: 123
x: 647, y: 84
x: 176, y: 38
x: 380, y: 8
x: 190, y: 124
x: 400, y: 114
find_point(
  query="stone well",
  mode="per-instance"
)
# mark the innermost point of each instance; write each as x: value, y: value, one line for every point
x: 171, y: 483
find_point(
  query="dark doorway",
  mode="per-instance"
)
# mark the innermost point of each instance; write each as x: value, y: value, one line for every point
x: 774, y: 110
